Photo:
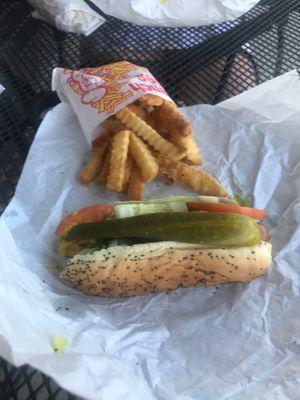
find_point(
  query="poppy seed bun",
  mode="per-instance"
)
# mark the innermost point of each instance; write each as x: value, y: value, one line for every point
x: 123, y: 271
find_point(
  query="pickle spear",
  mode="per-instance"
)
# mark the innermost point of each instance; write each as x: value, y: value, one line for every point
x: 208, y: 228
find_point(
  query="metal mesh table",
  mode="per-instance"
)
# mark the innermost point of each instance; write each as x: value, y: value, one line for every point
x: 196, y: 65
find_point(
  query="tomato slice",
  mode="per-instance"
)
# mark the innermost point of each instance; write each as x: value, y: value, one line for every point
x: 264, y: 232
x: 227, y: 207
x: 95, y: 213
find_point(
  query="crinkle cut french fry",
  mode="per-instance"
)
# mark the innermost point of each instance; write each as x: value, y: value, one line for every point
x: 101, y: 139
x: 138, y: 110
x: 120, y: 144
x: 113, y: 126
x: 199, y: 181
x: 90, y: 171
x: 151, y: 122
x: 145, y: 131
x: 172, y: 119
x: 136, y: 184
x: 189, y: 144
x: 150, y: 100
x: 102, y: 176
x: 143, y: 114
x: 186, y: 142
x: 128, y: 169
x: 143, y: 158
x: 157, y: 125
x: 167, y: 180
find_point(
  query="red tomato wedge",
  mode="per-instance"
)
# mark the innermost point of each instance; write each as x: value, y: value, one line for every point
x: 95, y: 213
x: 227, y: 207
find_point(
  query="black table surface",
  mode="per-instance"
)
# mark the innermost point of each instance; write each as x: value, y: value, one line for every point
x: 195, y: 65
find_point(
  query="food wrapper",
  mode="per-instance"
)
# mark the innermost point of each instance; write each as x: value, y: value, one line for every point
x: 97, y: 93
x: 238, y: 341
x: 175, y: 13
x: 68, y: 15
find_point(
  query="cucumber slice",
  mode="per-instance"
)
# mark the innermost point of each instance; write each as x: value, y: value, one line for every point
x: 186, y: 199
x: 182, y: 199
x: 132, y: 209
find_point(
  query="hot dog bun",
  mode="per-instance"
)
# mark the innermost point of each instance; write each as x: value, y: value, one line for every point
x: 123, y: 271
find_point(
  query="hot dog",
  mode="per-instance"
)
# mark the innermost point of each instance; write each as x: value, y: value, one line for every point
x: 158, y: 249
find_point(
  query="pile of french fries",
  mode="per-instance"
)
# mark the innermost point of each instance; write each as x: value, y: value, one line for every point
x: 144, y: 139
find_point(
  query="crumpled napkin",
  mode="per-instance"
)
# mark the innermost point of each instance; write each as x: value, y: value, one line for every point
x: 174, y: 13
x: 68, y: 15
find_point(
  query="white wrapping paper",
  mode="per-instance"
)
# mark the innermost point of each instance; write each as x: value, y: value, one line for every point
x: 175, y: 13
x: 236, y: 342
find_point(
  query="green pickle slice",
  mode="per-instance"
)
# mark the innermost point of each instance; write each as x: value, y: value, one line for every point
x: 210, y: 229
